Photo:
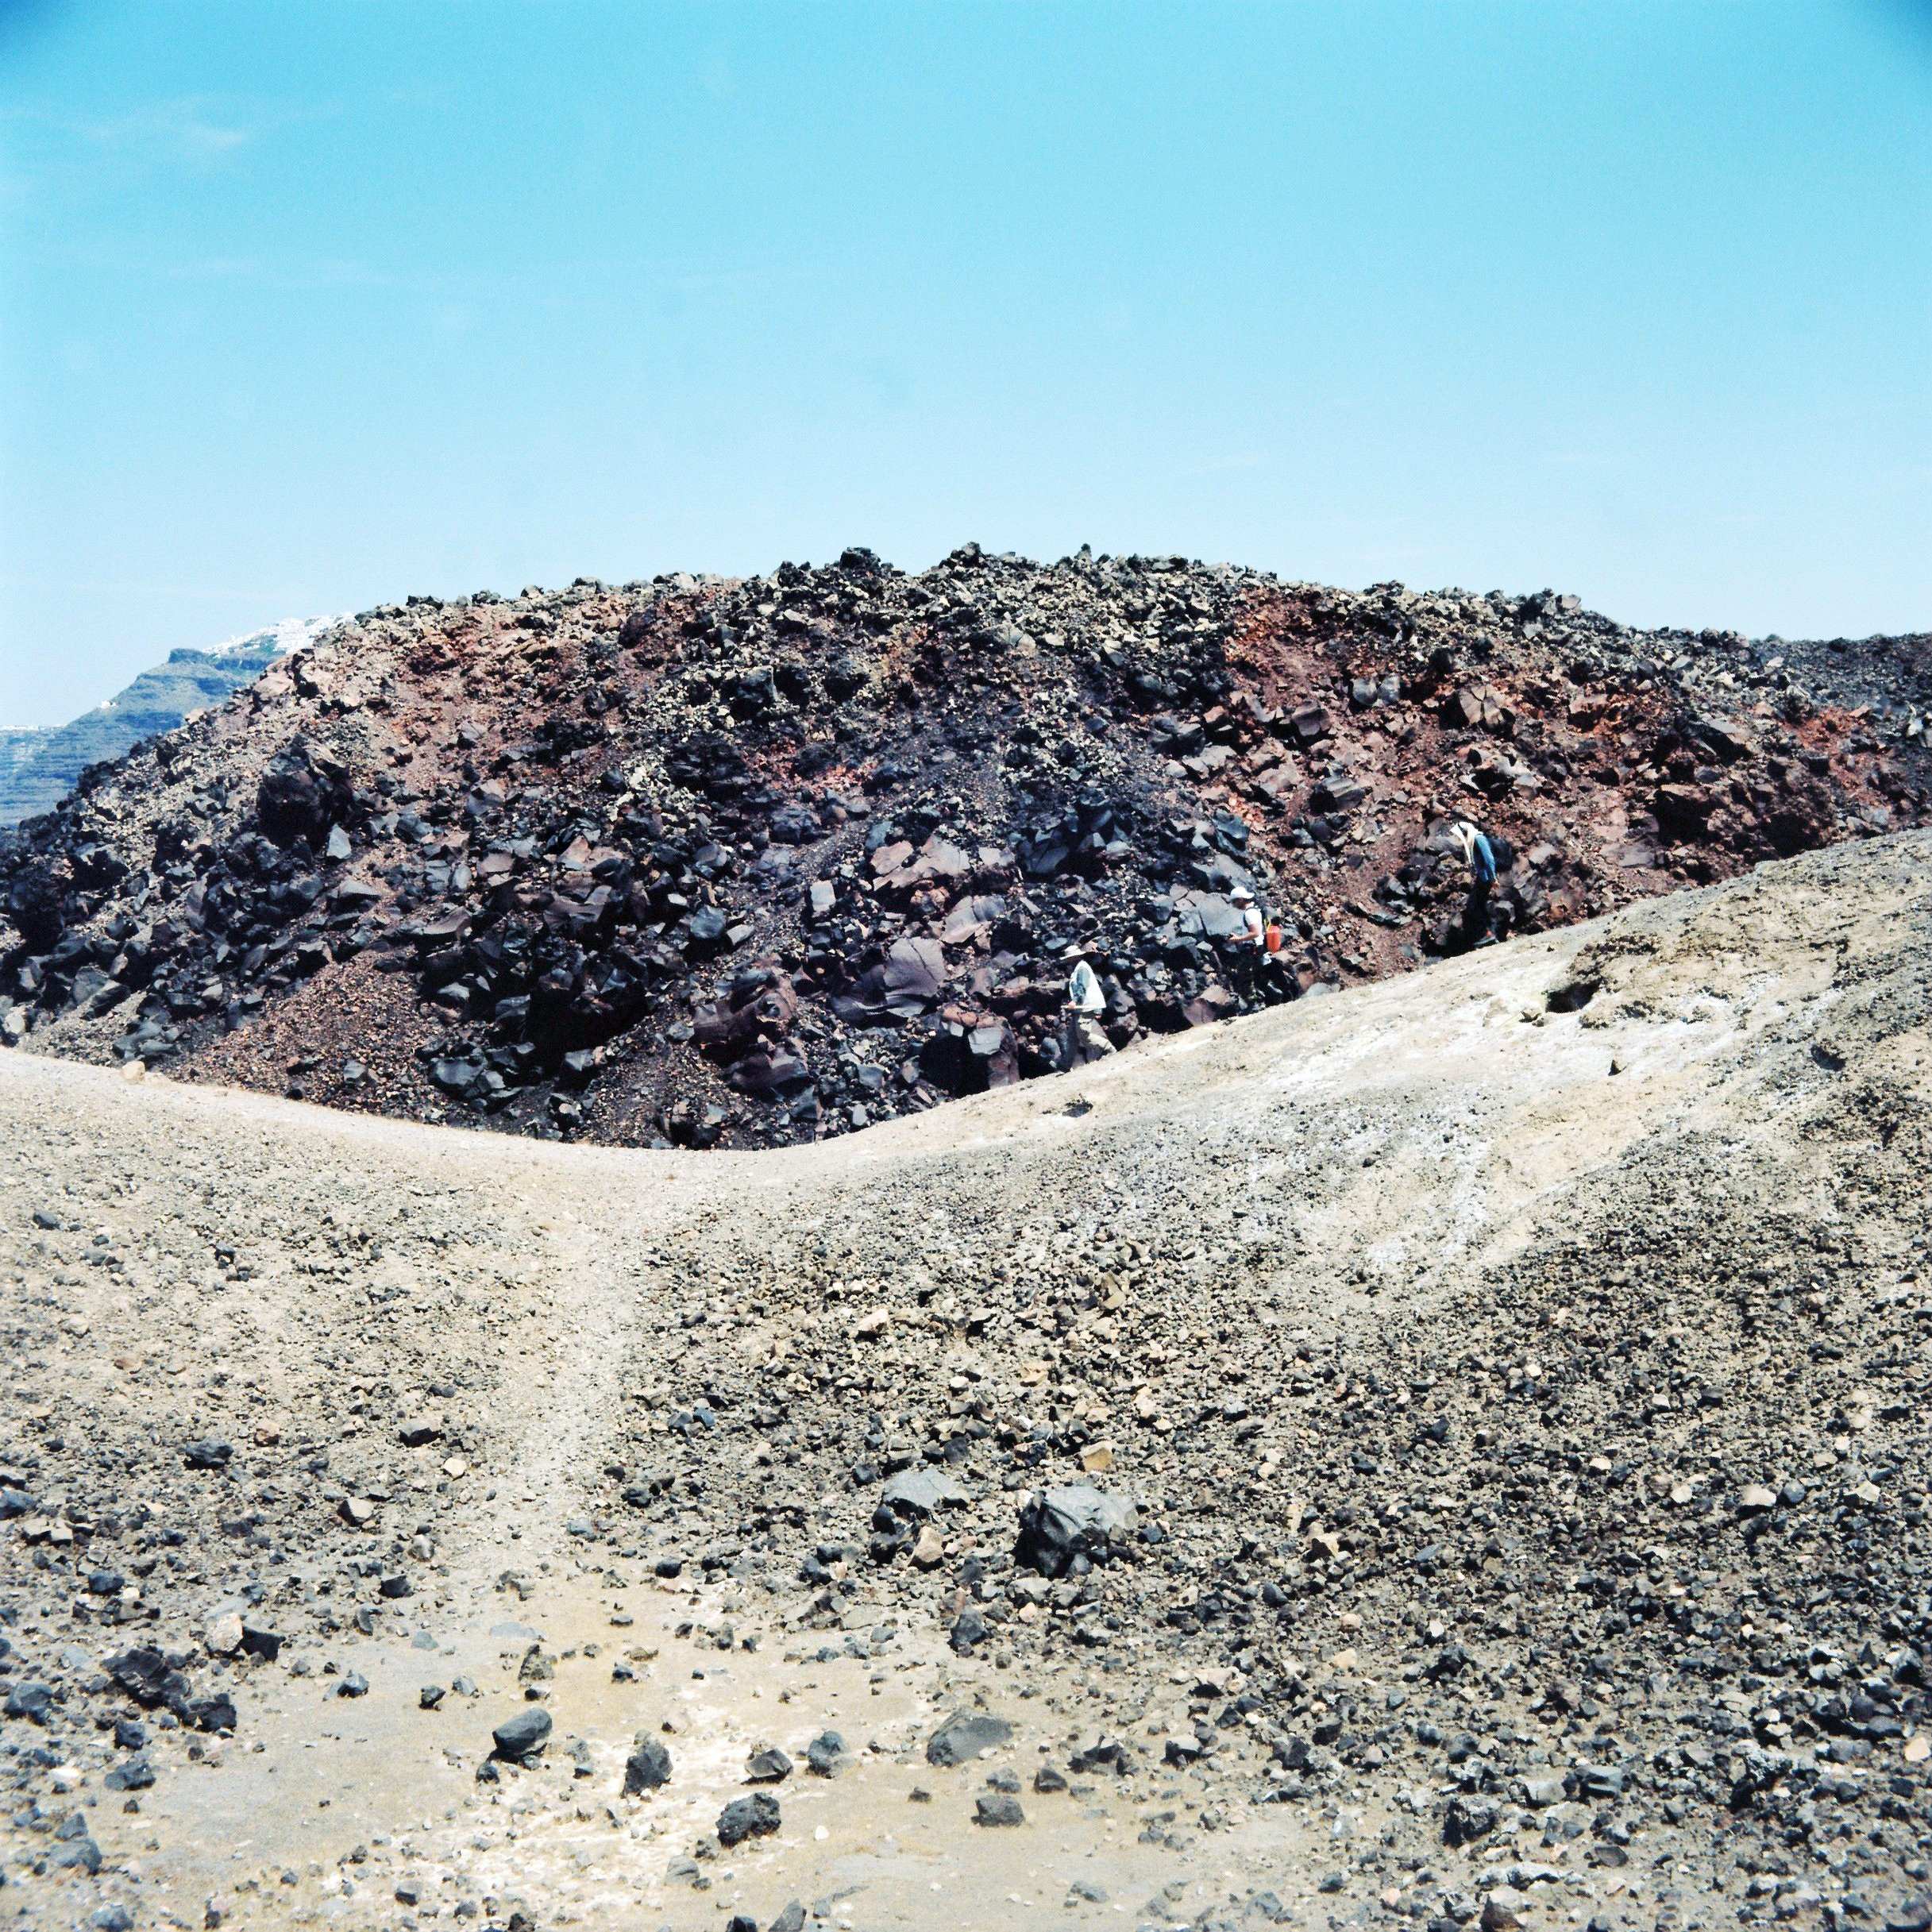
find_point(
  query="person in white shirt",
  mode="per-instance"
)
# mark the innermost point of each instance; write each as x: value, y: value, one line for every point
x: 1083, y: 990
x: 1246, y: 948
x: 1080, y: 1037
x: 1251, y: 934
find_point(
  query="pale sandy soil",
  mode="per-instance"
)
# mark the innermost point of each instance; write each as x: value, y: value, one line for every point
x: 1355, y: 1172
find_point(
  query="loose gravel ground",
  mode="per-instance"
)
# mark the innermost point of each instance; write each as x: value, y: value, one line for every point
x: 1516, y: 1371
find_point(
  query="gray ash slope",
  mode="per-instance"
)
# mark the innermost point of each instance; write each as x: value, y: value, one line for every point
x: 1516, y: 1374
x: 748, y: 862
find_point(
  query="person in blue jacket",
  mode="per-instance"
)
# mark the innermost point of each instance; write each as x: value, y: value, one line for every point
x: 1480, y: 856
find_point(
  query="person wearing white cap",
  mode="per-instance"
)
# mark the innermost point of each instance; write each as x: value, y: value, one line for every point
x: 1480, y: 857
x: 1245, y: 947
x: 1251, y: 932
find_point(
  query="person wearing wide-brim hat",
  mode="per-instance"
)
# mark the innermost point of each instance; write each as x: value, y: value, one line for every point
x: 1085, y: 993
x: 1080, y: 1037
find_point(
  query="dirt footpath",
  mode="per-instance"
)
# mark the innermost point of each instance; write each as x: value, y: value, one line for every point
x: 1509, y: 1381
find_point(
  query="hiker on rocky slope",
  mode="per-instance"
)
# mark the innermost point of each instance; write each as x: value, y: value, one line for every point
x: 1480, y: 856
x: 1246, y: 949
x: 1082, y: 1039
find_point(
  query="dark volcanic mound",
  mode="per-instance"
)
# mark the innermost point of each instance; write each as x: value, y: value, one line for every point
x: 744, y: 862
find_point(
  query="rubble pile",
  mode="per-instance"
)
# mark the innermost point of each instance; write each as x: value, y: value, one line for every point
x: 745, y: 863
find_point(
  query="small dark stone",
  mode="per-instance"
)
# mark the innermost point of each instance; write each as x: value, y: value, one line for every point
x: 256, y: 1642
x: 998, y: 1810
x: 29, y: 1700
x: 964, y: 1735
x: 755, y: 1817
x: 81, y: 1854
x: 1467, y: 1819
x: 969, y: 1628
x: 523, y: 1736
x: 1060, y: 1525
x: 136, y: 1774
x: 647, y: 1767
x: 215, y: 1713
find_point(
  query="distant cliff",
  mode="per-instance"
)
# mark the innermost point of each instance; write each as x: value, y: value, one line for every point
x: 38, y: 767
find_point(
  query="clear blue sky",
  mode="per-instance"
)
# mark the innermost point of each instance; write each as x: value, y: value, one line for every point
x: 304, y: 306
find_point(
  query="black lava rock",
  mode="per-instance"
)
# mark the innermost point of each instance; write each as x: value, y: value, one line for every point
x: 997, y: 1809
x: 648, y: 1768
x: 964, y: 1735
x: 755, y: 1817
x: 523, y: 1735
